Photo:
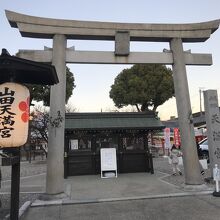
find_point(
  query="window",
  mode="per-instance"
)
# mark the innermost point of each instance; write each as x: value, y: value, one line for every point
x: 133, y: 143
x: 106, y: 142
x: 82, y: 143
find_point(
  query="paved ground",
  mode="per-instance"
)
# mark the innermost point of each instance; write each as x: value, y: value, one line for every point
x: 130, y: 196
x: 27, y: 170
x: 176, y: 208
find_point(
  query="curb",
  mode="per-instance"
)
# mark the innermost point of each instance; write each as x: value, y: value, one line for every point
x: 22, y: 210
x: 40, y: 203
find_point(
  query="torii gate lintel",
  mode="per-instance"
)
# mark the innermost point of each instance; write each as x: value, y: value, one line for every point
x: 107, y: 57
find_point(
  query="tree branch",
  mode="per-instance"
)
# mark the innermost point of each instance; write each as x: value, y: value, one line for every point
x: 138, y: 109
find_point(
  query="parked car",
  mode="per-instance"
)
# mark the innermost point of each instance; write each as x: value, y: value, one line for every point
x: 203, y: 150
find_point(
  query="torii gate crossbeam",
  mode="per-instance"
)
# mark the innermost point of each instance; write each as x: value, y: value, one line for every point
x: 103, y: 57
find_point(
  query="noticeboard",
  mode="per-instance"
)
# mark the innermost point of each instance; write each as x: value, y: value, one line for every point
x: 108, y: 162
x: 74, y: 144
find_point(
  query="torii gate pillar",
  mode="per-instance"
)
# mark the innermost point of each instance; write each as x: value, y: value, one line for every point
x: 55, y: 166
x: 185, y: 119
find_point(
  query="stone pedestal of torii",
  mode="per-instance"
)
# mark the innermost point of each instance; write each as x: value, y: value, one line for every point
x: 122, y: 33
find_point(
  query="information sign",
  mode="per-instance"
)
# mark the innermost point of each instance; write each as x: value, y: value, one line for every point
x: 74, y: 144
x: 108, y: 162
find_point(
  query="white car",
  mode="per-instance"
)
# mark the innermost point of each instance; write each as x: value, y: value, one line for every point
x: 204, y: 149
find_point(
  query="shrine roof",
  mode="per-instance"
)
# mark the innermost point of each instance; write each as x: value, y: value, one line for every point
x: 112, y: 121
x: 14, y: 69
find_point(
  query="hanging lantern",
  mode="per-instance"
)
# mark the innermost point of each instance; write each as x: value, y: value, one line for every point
x: 14, y: 114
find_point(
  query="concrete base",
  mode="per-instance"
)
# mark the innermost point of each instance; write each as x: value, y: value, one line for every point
x: 216, y: 194
x: 53, y: 197
x: 195, y: 188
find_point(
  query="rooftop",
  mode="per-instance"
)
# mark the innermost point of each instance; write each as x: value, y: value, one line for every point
x: 112, y: 121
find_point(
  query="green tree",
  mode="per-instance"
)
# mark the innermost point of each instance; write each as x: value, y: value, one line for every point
x: 42, y: 92
x: 145, y: 86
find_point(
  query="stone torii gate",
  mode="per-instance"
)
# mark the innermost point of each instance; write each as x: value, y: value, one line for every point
x: 122, y: 33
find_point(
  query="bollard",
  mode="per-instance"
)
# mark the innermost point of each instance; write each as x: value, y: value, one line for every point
x: 216, y: 178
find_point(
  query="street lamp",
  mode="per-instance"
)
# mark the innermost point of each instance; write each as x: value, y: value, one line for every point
x: 14, y: 111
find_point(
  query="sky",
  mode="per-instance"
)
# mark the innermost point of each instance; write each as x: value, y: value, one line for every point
x: 93, y: 82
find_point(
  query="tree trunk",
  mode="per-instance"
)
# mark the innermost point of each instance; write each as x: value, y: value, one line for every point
x: 154, y: 108
x: 138, y: 109
x: 144, y: 107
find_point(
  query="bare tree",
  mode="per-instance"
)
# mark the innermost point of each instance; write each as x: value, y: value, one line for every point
x: 39, y: 127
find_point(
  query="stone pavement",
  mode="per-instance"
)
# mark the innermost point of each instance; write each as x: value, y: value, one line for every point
x: 172, y: 208
x: 130, y: 196
x: 103, y: 197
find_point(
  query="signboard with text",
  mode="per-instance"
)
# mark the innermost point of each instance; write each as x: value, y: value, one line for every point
x: 74, y: 144
x: 176, y: 136
x: 213, y: 126
x: 167, y: 143
x: 108, y: 161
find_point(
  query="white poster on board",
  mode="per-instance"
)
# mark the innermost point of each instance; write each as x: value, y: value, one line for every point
x: 108, y: 160
x: 74, y: 144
